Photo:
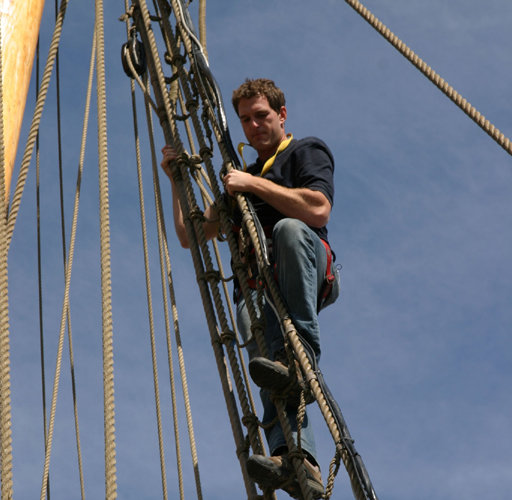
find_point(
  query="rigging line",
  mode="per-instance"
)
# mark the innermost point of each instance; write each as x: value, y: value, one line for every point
x: 36, y: 119
x: 361, y: 485
x: 40, y: 273
x: 164, y: 251
x: 240, y: 382
x: 202, y: 26
x: 5, y: 370
x: 63, y: 237
x: 254, y: 235
x: 439, y: 82
x: 256, y: 440
x: 59, y: 149
x: 166, y: 278
x: 249, y: 220
x: 203, y: 67
x: 186, y: 193
x: 74, y: 224
x: 65, y: 308
x: 148, y: 101
x: 199, y: 234
x: 108, y: 354
x: 207, y: 199
x: 197, y: 173
x: 149, y: 293
x: 199, y: 176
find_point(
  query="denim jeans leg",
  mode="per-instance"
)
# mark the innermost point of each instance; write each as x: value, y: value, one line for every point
x: 300, y: 260
x: 274, y: 435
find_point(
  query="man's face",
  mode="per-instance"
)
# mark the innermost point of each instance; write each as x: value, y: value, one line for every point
x: 263, y: 126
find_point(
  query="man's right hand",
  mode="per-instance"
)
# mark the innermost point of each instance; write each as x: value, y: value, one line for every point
x: 169, y: 155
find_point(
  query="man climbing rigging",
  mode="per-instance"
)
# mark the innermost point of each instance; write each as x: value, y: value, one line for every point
x: 291, y: 188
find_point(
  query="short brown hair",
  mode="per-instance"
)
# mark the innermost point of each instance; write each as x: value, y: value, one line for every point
x: 259, y: 86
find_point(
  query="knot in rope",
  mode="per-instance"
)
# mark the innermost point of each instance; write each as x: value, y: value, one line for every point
x: 195, y: 161
x: 250, y: 419
x: 227, y: 337
x: 258, y: 326
x: 176, y: 60
x: 127, y: 15
x: 180, y: 118
x: 243, y: 448
x: 196, y: 213
x: 206, y: 152
x: 191, y: 105
x: 171, y: 79
x: 212, y: 276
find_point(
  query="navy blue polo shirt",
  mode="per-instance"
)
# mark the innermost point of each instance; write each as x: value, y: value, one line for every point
x: 305, y: 163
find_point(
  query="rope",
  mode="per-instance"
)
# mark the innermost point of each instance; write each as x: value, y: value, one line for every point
x: 65, y: 318
x: 5, y: 371
x: 165, y: 264
x: 439, y: 82
x: 73, y: 237
x: 39, y: 275
x: 198, y: 88
x: 202, y: 25
x: 167, y: 279
x: 296, y: 456
x: 148, y: 296
x: 188, y: 199
x: 232, y: 355
x: 193, y: 226
x: 108, y: 357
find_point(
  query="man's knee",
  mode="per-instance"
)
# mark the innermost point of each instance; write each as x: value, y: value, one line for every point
x: 289, y: 231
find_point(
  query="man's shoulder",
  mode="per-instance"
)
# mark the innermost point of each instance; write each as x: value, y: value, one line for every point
x: 311, y: 143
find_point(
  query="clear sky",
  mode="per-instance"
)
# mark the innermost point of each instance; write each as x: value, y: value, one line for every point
x: 418, y: 350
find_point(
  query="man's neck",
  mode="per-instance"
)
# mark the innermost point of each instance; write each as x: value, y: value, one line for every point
x: 263, y: 156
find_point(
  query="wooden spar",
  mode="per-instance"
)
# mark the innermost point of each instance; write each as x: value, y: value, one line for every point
x: 20, y: 29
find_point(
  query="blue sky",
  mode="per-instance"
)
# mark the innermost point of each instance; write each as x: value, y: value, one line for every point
x: 418, y: 350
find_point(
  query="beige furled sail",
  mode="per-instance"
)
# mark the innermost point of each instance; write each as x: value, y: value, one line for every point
x: 20, y: 28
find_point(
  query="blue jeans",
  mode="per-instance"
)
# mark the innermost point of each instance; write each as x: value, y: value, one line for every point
x: 301, y: 261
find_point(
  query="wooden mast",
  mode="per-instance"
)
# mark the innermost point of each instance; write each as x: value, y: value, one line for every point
x: 20, y: 28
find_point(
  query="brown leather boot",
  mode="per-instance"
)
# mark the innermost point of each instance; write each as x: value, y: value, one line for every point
x: 278, y: 473
x: 275, y: 377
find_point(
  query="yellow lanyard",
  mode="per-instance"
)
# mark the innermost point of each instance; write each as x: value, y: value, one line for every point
x: 268, y: 164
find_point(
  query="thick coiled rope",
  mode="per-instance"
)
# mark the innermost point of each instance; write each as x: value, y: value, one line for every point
x: 212, y: 309
x: 439, y: 82
x: 5, y: 362
x: 106, y: 286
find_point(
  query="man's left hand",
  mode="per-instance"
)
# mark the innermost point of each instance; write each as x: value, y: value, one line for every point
x: 237, y: 181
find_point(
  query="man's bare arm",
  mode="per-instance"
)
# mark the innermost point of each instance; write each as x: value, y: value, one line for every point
x: 309, y: 206
x: 211, y: 224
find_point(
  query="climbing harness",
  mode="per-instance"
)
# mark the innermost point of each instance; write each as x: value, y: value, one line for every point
x: 329, y: 279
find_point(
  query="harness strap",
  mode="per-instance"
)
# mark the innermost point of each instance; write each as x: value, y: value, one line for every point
x: 329, y: 276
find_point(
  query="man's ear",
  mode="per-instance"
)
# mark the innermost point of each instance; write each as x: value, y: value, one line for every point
x: 283, y: 114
